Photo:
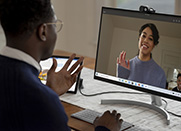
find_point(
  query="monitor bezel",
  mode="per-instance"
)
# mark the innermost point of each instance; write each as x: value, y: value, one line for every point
x: 136, y: 14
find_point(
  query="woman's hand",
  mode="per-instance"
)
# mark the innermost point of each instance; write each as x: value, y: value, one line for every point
x: 122, y: 62
x: 63, y: 80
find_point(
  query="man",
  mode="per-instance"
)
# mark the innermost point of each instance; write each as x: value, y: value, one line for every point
x: 178, y: 87
x: 25, y: 103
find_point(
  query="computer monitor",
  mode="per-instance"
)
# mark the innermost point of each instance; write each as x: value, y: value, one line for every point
x: 120, y: 30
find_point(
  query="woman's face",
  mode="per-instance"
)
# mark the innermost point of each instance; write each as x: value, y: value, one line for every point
x: 146, y: 42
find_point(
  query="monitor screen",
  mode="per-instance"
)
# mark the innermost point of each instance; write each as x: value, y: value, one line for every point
x: 140, y: 51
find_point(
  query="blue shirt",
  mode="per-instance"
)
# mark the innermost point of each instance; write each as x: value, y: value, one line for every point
x: 148, y: 72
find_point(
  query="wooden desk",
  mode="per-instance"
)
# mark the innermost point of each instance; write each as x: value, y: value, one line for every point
x: 73, y: 123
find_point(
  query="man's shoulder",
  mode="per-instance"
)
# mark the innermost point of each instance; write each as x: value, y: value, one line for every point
x: 175, y: 89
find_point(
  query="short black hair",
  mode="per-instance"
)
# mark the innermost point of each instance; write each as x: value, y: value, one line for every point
x: 23, y: 16
x: 154, y: 31
x: 179, y: 74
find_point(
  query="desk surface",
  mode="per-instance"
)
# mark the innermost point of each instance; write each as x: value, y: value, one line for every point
x: 75, y: 123
x: 140, y: 116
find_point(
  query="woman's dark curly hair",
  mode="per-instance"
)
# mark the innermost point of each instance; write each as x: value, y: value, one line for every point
x: 23, y: 16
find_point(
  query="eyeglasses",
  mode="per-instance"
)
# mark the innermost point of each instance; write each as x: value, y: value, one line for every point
x: 58, y: 24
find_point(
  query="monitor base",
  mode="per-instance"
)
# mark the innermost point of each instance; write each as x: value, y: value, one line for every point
x: 130, y: 102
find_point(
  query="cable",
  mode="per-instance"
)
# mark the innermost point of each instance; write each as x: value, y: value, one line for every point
x: 101, y: 93
x: 170, y: 111
x: 165, y: 103
x: 108, y: 92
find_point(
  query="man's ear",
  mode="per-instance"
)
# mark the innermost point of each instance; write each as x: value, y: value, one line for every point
x: 42, y: 32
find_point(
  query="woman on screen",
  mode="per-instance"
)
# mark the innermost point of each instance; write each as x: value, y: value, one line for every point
x: 142, y: 68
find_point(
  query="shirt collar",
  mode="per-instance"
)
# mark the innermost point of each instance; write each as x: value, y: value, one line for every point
x: 20, y: 55
x: 178, y: 89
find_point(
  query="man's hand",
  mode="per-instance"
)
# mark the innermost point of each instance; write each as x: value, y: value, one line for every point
x: 63, y: 80
x: 109, y: 120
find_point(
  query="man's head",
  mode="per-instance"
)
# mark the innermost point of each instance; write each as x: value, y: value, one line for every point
x: 25, y: 21
x: 179, y: 81
x: 23, y: 16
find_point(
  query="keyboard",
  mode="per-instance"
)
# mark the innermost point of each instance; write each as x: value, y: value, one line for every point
x: 89, y: 116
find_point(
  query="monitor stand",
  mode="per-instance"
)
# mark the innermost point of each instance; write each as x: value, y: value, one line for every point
x: 155, y: 105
